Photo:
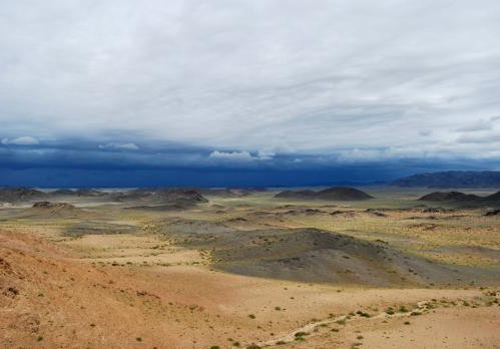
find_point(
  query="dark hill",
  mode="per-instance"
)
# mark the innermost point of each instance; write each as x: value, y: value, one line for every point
x: 493, y: 198
x: 167, y: 198
x: 90, y: 193
x: 452, y: 179
x: 295, y: 194
x: 46, y: 209
x: 342, y: 194
x: 64, y: 192
x: 46, y: 205
x: 460, y: 198
x: 334, y: 194
x: 452, y: 196
x: 21, y: 194
x: 225, y: 192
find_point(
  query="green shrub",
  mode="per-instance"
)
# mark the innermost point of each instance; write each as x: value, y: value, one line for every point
x: 253, y: 346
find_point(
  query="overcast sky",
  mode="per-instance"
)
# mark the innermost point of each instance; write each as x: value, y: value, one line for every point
x: 249, y: 83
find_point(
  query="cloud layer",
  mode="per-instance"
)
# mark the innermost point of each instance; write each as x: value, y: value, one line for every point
x: 254, y: 81
x: 25, y: 140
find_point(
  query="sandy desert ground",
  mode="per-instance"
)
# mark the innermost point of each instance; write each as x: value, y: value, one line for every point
x: 251, y: 271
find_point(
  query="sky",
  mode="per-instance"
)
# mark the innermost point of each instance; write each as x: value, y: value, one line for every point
x: 246, y: 92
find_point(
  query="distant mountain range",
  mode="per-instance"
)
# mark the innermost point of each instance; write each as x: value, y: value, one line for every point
x: 452, y: 179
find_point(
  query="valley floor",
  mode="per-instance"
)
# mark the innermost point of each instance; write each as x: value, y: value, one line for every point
x: 156, y: 284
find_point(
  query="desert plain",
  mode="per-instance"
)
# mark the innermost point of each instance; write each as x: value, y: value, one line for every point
x: 247, y: 268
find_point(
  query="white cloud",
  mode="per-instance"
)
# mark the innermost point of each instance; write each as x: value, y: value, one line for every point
x: 25, y: 140
x: 265, y: 155
x: 119, y: 146
x: 232, y: 156
x: 242, y: 155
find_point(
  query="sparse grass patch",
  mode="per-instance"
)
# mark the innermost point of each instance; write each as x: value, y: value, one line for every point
x: 299, y: 336
x: 403, y: 309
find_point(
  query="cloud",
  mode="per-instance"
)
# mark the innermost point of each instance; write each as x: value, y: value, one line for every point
x: 480, y: 125
x: 120, y: 146
x: 82, y: 163
x: 232, y: 156
x: 348, y: 77
x: 488, y: 138
x: 25, y: 140
x: 242, y: 156
x: 265, y: 155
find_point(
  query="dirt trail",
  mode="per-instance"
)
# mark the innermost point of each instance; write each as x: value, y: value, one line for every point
x: 422, y: 308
